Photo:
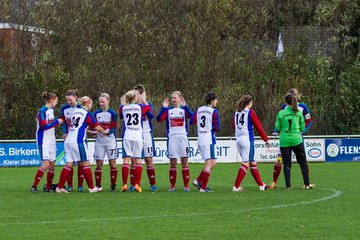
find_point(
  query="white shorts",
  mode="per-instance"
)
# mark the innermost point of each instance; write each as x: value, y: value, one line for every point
x: 47, y: 152
x: 178, y: 146
x: 132, y: 148
x: 76, y: 152
x: 110, y: 150
x: 246, y: 150
x: 207, y: 151
x: 149, y: 145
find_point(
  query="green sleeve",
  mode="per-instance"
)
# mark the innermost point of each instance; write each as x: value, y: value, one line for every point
x: 278, y: 123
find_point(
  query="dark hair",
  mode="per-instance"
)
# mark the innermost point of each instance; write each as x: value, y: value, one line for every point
x: 48, y: 95
x: 244, y: 100
x: 140, y: 88
x: 292, y: 101
x: 72, y: 92
x: 209, y: 97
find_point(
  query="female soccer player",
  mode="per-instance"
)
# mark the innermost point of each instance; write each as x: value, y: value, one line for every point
x: 308, y: 122
x: 290, y: 123
x: 148, y: 140
x: 177, y: 133
x: 106, y: 118
x: 132, y: 136
x: 66, y: 113
x: 75, y: 144
x: 46, y: 140
x: 207, y: 119
x: 243, y: 122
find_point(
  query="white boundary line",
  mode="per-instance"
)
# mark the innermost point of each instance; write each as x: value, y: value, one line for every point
x: 336, y: 193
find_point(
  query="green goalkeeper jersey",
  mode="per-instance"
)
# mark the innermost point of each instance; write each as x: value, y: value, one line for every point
x: 290, y: 125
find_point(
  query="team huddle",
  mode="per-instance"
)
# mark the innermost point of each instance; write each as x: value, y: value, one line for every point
x: 137, y: 113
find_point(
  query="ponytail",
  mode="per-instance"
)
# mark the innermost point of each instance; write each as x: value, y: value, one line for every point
x: 85, y: 100
x: 243, y: 102
x: 47, y: 96
x: 130, y: 97
x: 291, y: 100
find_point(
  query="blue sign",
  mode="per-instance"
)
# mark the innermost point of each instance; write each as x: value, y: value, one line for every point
x: 26, y: 154
x: 342, y: 150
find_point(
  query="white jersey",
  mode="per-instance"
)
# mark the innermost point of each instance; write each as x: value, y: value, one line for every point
x: 147, y: 126
x: 132, y: 127
x: 80, y: 120
x: 46, y: 123
x: 106, y: 120
x: 205, y: 125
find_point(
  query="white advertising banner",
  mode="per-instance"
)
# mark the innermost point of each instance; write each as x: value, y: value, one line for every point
x: 226, y: 151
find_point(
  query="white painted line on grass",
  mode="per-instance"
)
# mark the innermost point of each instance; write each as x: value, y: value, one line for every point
x: 336, y: 193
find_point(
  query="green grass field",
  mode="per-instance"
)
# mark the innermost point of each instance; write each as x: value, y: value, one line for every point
x: 330, y: 211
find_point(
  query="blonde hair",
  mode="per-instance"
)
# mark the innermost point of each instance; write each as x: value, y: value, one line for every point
x: 106, y: 96
x: 130, y: 97
x: 85, y: 100
x: 177, y: 92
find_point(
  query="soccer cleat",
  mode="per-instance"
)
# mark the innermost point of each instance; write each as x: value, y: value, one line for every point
x: 113, y: 188
x: 186, y: 189
x: 206, y: 190
x: 273, y: 185
x: 61, y: 190
x: 310, y: 186
x: 124, y: 188
x: 95, y: 189
x: 172, y: 189
x: 264, y: 187
x: 137, y: 188
x: 34, y: 189
x: 131, y: 188
x: 153, y: 188
x: 289, y: 188
x: 69, y: 189
x: 239, y: 189
x: 197, y: 184
x: 80, y: 189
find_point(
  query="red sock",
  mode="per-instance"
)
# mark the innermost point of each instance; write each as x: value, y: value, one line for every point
x: 81, y: 176
x: 64, y: 176
x: 38, y: 176
x: 132, y: 175
x: 125, y: 173
x: 205, y: 176
x: 172, y: 176
x: 151, y: 175
x: 255, y: 173
x: 241, y: 174
x: 113, y: 175
x: 186, y: 176
x: 49, y: 178
x: 98, y: 173
x: 70, y: 178
x: 138, y: 173
x: 200, y: 177
x: 88, y: 176
x: 277, y: 171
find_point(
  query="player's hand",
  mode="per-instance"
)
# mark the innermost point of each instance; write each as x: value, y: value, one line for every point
x: 267, y: 144
x: 275, y: 134
x: 60, y: 121
x: 105, y: 132
x: 182, y: 101
x: 122, y: 100
x: 143, y: 96
x: 166, y: 102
